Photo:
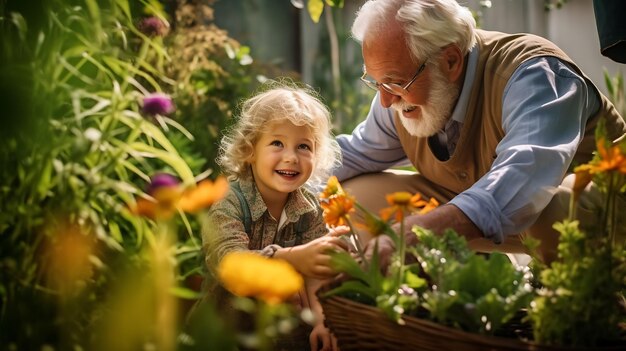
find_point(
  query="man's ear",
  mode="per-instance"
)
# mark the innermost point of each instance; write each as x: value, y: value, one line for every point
x: 453, y: 62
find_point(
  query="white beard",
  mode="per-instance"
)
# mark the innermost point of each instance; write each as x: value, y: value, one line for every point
x: 436, y: 112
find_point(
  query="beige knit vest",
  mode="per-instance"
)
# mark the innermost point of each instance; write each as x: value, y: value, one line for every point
x: 499, y: 55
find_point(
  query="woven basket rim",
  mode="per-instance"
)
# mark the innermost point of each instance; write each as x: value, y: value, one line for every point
x: 340, y: 306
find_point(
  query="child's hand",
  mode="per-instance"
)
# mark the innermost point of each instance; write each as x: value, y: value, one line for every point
x: 328, y: 341
x: 312, y: 259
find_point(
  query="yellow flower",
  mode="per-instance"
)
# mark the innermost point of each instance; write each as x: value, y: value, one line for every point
x: 248, y: 274
x: 337, y: 209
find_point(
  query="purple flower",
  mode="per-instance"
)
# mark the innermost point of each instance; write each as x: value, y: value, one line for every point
x: 161, y: 180
x: 153, y: 26
x: 157, y: 104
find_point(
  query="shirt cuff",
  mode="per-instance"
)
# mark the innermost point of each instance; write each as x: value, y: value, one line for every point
x: 270, y: 250
x: 484, y: 211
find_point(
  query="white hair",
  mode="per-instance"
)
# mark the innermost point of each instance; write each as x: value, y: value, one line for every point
x: 429, y: 25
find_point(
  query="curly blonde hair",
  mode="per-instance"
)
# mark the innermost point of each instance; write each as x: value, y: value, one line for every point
x: 279, y: 101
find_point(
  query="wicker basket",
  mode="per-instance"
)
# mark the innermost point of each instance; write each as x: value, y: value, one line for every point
x: 362, y: 327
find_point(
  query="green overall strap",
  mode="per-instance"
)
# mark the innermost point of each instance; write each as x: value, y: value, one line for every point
x: 301, y: 227
x: 247, y: 218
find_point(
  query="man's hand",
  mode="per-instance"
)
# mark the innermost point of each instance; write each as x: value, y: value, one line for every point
x: 386, y: 248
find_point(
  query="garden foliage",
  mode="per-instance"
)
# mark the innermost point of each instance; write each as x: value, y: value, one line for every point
x: 97, y: 99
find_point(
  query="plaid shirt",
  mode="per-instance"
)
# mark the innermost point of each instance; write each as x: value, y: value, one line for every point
x: 225, y: 230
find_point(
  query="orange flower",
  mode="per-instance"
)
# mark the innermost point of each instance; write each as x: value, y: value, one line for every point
x: 203, y: 195
x: 166, y: 196
x: 374, y: 225
x: 332, y: 188
x: 403, y: 202
x: 400, y: 202
x: 162, y: 203
x: 611, y: 159
x: 67, y: 259
x: 337, y: 209
x: 429, y: 206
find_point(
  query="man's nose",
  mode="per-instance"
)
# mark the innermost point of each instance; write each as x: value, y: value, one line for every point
x: 387, y: 99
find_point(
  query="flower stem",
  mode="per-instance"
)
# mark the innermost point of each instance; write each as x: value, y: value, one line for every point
x: 357, y: 243
x: 401, y: 251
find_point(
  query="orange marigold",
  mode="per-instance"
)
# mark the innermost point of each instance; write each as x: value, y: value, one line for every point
x: 166, y: 196
x: 337, y: 209
x: 333, y: 187
x: 205, y: 194
x: 402, y: 202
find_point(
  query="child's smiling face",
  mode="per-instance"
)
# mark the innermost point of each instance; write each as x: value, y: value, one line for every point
x: 283, y: 158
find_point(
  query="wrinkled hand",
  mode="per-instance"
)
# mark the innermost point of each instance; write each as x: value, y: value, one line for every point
x: 386, y: 248
x: 321, y: 333
x: 313, y: 258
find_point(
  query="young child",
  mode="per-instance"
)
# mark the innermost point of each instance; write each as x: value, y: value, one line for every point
x: 278, y: 149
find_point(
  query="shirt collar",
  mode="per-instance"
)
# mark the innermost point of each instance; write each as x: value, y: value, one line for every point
x: 460, y: 110
x: 297, y: 203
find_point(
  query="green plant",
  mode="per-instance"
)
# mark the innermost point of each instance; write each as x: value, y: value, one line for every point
x: 336, y: 73
x: 439, y: 279
x: 212, y: 71
x: 615, y: 88
x: 79, y: 142
x: 581, y: 300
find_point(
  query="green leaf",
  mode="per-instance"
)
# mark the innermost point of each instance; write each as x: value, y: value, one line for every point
x: 94, y: 12
x: 123, y: 4
x: 185, y: 293
x: 172, y: 159
x: 20, y: 23
x: 608, y: 82
x: 45, y: 180
x: 414, y: 281
x: 343, y: 262
x: 353, y: 287
x: 114, y: 231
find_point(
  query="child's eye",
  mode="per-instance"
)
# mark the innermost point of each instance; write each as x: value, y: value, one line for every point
x: 276, y: 143
x: 304, y: 147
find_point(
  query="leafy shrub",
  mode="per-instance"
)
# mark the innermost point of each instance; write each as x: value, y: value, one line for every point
x: 78, y: 142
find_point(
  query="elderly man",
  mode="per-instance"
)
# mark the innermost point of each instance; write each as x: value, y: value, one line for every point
x: 491, y: 121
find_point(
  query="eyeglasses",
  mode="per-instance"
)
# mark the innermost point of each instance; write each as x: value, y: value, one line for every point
x: 392, y: 88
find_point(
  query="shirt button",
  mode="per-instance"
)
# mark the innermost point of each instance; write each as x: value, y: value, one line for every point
x: 462, y: 175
